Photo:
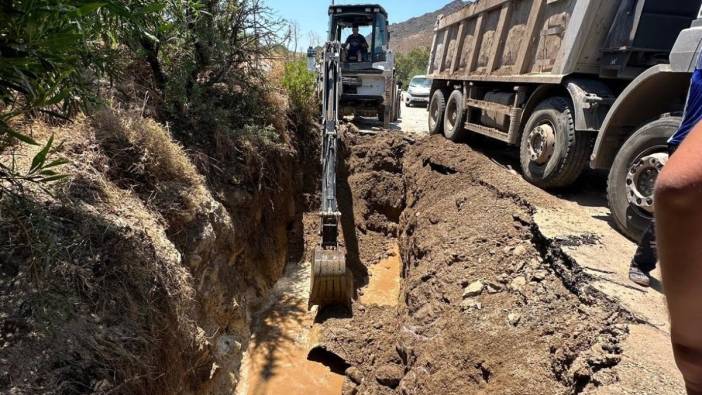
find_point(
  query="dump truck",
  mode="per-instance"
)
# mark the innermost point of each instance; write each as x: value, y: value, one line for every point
x: 572, y: 83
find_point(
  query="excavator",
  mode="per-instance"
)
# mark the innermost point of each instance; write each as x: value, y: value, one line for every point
x: 359, y: 83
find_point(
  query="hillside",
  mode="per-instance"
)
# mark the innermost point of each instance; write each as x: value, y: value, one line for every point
x: 417, y: 32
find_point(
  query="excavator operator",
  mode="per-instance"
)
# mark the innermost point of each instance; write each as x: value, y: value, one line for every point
x: 357, y: 46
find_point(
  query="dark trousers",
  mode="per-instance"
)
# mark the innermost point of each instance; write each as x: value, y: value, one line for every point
x: 646, y: 256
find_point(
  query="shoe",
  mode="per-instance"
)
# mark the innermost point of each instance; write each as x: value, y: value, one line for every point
x: 639, y: 277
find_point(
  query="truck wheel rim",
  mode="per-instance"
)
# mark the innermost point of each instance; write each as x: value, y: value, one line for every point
x: 542, y: 143
x: 641, y: 179
x: 452, y: 114
x: 434, y: 113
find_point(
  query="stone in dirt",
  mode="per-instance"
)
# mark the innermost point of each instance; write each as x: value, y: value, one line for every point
x: 539, y: 275
x: 471, y: 304
x: 474, y: 289
x: 354, y: 374
x: 514, y: 319
x: 389, y: 375
x: 493, y: 288
x: 518, y: 283
x: 349, y: 387
x: 519, y: 250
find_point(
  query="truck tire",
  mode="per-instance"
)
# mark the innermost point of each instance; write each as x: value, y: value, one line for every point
x: 437, y: 108
x: 454, y: 117
x: 552, y: 153
x: 633, y: 175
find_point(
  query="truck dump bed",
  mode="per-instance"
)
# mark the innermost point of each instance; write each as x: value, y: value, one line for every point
x: 542, y: 41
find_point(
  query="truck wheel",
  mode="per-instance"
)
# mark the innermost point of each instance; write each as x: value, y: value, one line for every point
x: 454, y: 118
x: 437, y: 108
x: 633, y: 175
x: 553, y: 154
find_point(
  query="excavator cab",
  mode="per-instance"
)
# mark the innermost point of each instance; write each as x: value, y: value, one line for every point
x: 370, y: 23
x: 369, y: 88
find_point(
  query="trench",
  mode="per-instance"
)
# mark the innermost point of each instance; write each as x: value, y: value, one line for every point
x: 286, y: 354
x: 420, y: 233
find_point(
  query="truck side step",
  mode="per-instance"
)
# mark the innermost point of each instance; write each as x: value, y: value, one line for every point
x: 514, y: 114
x: 486, y: 131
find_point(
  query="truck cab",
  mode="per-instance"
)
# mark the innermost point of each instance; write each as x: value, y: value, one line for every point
x: 368, y: 70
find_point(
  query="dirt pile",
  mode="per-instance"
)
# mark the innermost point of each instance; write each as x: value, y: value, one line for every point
x: 371, y: 196
x: 487, y: 304
x: 140, y: 275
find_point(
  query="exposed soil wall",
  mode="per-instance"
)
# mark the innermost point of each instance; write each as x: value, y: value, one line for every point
x: 140, y: 274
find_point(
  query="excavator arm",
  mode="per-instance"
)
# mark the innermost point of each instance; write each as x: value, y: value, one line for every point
x: 332, y: 282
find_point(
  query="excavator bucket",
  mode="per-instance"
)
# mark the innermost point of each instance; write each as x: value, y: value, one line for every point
x: 332, y: 282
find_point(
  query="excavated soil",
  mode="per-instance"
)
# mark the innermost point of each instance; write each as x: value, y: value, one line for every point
x: 487, y: 304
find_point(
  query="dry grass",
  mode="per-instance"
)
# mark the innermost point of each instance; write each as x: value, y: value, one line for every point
x: 105, y: 290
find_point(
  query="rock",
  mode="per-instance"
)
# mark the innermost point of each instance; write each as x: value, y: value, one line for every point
x: 539, y: 275
x: 474, y: 289
x: 471, y: 304
x: 519, y: 266
x: 503, y: 278
x: 389, y: 375
x: 493, y: 288
x: 518, y: 283
x: 534, y: 263
x: 519, y: 250
x: 349, y: 387
x: 514, y: 319
x: 354, y: 374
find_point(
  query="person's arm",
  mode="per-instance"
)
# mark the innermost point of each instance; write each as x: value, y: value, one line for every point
x: 364, y: 43
x: 679, y: 232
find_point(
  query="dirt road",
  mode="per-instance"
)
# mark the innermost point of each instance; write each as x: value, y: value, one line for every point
x: 500, y: 287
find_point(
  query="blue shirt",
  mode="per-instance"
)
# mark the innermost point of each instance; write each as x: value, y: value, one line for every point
x: 693, y: 108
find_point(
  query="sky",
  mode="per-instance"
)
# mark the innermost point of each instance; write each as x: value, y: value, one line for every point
x: 311, y: 15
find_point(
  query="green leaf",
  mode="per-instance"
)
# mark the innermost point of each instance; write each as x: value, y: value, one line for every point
x: 21, y: 137
x: 89, y: 8
x: 55, y: 178
x: 57, y: 162
x: 40, y: 157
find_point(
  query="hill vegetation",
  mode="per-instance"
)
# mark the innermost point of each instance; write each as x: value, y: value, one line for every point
x: 417, y: 32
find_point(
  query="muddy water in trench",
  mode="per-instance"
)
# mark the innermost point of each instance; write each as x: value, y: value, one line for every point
x: 384, y: 280
x: 276, y: 360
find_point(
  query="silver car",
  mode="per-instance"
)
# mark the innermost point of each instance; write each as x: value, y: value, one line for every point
x: 418, y: 91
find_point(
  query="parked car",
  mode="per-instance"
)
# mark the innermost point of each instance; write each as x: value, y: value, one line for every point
x: 418, y: 91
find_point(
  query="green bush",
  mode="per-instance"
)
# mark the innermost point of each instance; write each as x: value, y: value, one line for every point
x: 299, y: 84
x: 410, y: 64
